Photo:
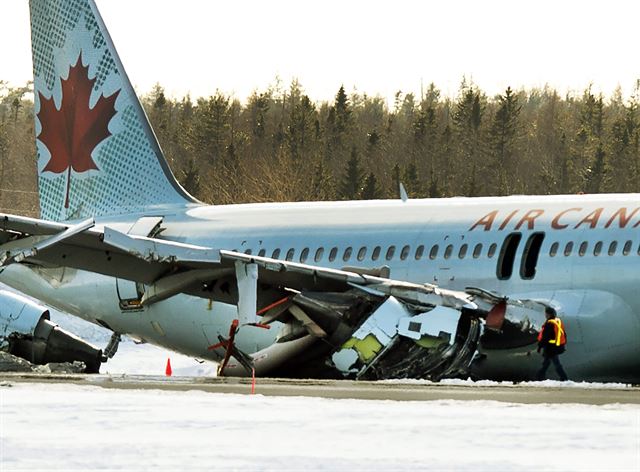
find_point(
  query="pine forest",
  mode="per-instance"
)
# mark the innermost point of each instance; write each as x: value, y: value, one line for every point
x: 279, y: 145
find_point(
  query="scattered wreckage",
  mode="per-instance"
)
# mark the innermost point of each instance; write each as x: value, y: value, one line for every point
x: 385, y: 329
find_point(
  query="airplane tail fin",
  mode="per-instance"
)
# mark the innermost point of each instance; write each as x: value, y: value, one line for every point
x: 97, y: 153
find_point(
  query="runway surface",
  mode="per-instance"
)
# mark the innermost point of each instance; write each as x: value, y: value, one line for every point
x: 526, y: 393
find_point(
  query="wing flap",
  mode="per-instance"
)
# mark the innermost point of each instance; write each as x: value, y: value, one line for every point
x: 156, y: 250
x: 21, y: 253
x: 29, y: 226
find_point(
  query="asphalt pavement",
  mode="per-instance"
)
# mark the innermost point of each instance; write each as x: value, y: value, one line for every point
x: 527, y: 393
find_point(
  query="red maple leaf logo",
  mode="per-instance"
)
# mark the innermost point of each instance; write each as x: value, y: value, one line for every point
x: 73, y: 132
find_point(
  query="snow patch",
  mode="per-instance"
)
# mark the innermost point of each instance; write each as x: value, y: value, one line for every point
x: 81, y: 428
x: 132, y: 358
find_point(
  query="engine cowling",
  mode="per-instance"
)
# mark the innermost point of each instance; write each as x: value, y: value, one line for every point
x: 27, y: 332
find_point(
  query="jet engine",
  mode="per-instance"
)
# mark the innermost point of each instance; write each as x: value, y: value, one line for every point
x: 27, y: 332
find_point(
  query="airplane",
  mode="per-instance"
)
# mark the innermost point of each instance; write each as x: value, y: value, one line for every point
x: 424, y: 288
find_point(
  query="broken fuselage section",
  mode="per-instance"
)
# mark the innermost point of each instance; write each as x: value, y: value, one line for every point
x: 385, y: 329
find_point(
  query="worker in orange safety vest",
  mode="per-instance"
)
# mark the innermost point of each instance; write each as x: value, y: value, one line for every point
x: 551, y: 341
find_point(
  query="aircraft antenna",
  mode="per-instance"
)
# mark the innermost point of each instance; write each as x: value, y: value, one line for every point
x: 403, y: 193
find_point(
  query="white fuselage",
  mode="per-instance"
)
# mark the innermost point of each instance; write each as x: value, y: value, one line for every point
x: 585, y: 246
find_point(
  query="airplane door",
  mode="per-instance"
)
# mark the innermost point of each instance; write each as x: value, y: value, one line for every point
x: 507, y: 257
x: 529, y: 261
x: 129, y: 292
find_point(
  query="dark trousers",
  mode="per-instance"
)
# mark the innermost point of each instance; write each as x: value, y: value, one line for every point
x: 542, y: 373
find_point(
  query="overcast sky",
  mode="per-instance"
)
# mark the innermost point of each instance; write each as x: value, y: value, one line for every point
x: 376, y: 46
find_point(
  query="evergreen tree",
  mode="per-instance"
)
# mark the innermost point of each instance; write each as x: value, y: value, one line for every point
x: 257, y: 112
x: 622, y: 161
x: 595, y: 176
x: 4, y: 154
x: 338, y: 125
x: 548, y: 147
x: 300, y: 131
x: 633, y: 120
x: 592, y: 114
x: 352, y: 180
x: 157, y: 106
x: 342, y: 111
x: 425, y: 136
x: 210, y: 133
x: 394, y: 192
x: 587, y: 142
x: 322, y: 186
x: 467, y: 119
x: 411, y: 181
x: 502, y: 142
x: 370, y: 190
x: 191, y: 178
x: 445, y: 153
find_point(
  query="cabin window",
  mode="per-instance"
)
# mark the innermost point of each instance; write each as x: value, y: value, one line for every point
x: 276, y: 254
x: 568, y: 248
x: 362, y: 253
x: 304, y: 255
x: 597, y: 249
x: 463, y: 251
x: 262, y: 252
x: 248, y: 252
x: 448, y: 251
x: 333, y: 254
x: 290, y: 253
x: 508, y: 255
x: 477, y: 251
x: 419, y: 252
x: 390, y: 252
x: 612, y: 247
x: 434, y: 252
x: 583, y: 248
x: 553, y: 250
x: 405, y: 252
x: 492, y: 250
x: 530, y: 256
x: 627, y: 248
x: 376, y: 253
x: 347, y: 254
x: 319, y: 254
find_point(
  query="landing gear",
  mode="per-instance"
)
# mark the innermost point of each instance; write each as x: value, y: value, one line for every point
x: 112, y: 347
x: 231, y: 350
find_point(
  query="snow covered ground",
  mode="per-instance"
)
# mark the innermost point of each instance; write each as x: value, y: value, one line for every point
x: 53, y: 427
x: 146, y: 359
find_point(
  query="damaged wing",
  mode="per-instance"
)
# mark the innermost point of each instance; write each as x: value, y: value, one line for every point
x: 168, y: 268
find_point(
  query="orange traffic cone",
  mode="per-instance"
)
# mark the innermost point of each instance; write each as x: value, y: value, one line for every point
x: 168, y: 370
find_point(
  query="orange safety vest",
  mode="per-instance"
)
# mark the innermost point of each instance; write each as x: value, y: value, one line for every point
x: 560, y: 338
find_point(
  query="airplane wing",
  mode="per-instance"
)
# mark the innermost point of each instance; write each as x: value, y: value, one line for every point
x: 343, y: 321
